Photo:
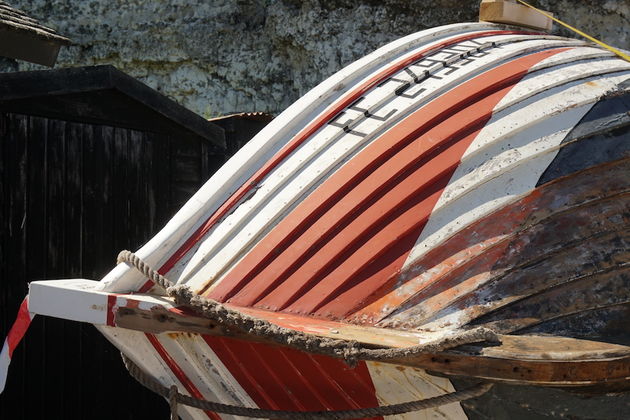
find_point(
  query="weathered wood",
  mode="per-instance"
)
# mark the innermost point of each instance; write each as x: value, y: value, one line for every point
x: 103, y: 95
x: 54, y: 357
x: 532, y: 360
x: 161, y: 174
x: 28, y: 47
x: 36, y: 227
x: 72, y: 263
x: 562, y: 374
x: 18, y: 20
x: 72, y: 195
x: 122, y: 188
x: 512, y: 13
x: 73, y: 198
x: 546, y: 275
x: 106, y: 171
x: 90, y: 200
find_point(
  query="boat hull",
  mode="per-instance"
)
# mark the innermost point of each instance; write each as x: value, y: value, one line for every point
x: 469, y: 175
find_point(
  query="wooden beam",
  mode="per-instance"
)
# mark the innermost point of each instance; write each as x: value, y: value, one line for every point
x: 512, y: 13
x: 25, y: 46
x: 103, y: 95
x: 522, y: 360
x: 527, y: 360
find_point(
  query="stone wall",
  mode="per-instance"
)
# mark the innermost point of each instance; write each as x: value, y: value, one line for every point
x: 219, y: 57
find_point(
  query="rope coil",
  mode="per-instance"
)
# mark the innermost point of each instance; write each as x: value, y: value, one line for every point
x: 348, y: 350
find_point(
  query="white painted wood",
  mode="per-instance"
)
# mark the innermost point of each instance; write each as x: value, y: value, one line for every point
x: 252, y: 156
x: 205, y: 370
x: 82, y: 300
x: 191, y: 353
x: 489, y: 176
x: 74, y: 299
x: 399, y: 384
x: 5, y: 361
x: 299, y: 174
x: 324, y: 153
x: 137, y: 347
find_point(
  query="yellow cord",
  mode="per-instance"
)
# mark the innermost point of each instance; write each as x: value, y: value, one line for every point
x: 590, y: 38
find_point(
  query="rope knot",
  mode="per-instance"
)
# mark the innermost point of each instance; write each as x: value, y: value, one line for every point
x: 181, y: 293
x: 351, y: 353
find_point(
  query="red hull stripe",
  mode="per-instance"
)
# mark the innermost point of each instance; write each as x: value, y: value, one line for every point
x: 285, y: 379
x: 311, y: 129
x: 179, y: 373
x: 457, y: 261
x: 387, y: 192
x: 329, y: 389
x: 111, y: 302
x: 19, y: 328
x: 389, y: 202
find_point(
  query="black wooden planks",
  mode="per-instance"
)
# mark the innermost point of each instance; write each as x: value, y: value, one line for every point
x: 72, y: 196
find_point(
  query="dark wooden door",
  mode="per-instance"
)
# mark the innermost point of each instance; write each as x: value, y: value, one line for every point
x: 72, y: 196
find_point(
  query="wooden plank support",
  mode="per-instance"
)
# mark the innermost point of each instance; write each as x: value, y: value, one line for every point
x: 525, y: 360
x: 528, y: 360
x: 512, y: 13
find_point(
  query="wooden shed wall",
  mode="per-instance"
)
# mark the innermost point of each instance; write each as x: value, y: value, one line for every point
x: 74, y: 195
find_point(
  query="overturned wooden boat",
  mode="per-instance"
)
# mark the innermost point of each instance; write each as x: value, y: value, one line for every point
x: 467, y: 176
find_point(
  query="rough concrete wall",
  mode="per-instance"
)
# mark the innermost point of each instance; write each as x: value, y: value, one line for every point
x: 219, y: 57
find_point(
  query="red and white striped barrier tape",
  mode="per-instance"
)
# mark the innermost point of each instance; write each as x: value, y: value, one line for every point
x: 17, y: 331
